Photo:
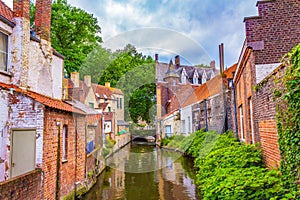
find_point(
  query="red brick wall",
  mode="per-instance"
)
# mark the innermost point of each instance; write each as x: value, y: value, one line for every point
x: 266, y: 118
x: 244, y: 91
x: 43, y: 18
x: 27, y: 186
x: 277, y: 26
x: 22, y: 8
x: 269, y: 143
x: 67, y: 168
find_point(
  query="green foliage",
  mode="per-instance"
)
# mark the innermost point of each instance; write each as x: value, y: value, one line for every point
x: 288, y: 122
x: 227, y: 169
x: 74, y: 33
x: 141, y: 102
x: 123, y: 61
x: 95, y: 63
x: 176, y: 141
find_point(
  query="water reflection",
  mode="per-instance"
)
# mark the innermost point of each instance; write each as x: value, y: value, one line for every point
x: 130, y: 176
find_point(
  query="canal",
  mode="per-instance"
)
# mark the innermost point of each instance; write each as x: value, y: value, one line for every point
x: 144, y: 172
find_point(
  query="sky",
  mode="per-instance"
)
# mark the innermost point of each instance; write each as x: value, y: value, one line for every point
x: 192, y: 29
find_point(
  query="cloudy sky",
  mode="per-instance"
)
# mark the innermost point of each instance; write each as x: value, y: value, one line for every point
x: 190, y: 28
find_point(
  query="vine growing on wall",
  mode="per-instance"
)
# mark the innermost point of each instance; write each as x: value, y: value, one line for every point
x: 288, y: 121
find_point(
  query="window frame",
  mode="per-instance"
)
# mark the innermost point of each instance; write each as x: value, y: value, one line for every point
x: 5, y: 52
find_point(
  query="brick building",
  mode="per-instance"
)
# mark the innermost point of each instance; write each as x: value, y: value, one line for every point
x: 42, y: 143
x: 270, y: 35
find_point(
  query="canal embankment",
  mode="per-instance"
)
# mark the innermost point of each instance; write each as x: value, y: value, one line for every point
x: 228, y: 169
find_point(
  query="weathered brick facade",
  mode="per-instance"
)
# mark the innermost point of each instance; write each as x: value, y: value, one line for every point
x: 28, y: 186
x: 58, y: 172
x: 43, y: 18
x: 269, y: 36
x: 275, y: 31
x: 267, y: 117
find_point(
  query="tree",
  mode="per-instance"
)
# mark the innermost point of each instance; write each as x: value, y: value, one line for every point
x: 74, y: 33
x: 95, y: 63
x: 141, y: 103
x: 123, y: 61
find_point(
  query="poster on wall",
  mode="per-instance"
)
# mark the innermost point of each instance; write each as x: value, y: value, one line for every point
x: 107, y: 127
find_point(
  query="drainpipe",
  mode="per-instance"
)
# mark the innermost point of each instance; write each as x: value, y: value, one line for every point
x: 205, y: 115
x: 57, y: 195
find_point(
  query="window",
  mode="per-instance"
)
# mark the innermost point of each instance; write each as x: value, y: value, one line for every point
x: 109, y: 109
x: 168, y: 131
x: 3, y: 51
x: 241, y: 123
x: 91, y: 104
x: 195, y: 80
x: 251, y: 119
x: 189, y: 124
x: 121, y: 103
x: 183, y: 79
x: 65, y: 143
x: 117, y: 102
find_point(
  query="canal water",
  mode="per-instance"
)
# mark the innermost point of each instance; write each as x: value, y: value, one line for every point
x: 144, y: 172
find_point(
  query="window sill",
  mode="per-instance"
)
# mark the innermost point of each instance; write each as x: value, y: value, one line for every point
x: 5, y: 73
x: 64, y: 161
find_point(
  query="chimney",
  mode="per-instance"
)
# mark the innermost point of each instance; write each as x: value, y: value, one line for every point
x: 87, y: 80
x: 221, y: 55
x: 43, y: 18
x: 22, y: 8
x: 156, y: 57
x: 213, y: 64
x: 21, y: 37
x: 107, y: 84
x: 75, y: 78
x: 65, y: 89
x: 177, y: 61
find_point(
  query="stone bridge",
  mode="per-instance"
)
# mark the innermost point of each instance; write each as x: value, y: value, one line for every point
x: 142, y: 138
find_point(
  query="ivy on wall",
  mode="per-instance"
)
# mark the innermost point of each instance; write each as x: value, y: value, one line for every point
x: 288, y: 121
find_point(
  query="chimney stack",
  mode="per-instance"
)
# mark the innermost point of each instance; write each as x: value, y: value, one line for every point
x: 65, y: 89
x: 177, y: 61
x: 22, y: 8
x: 75, y: 78
x: 43, y: 18
x: 107, y: 84
x: 156, y: 57
x: 221, y: 55
x: 87, y: 80
x: 213, y: 64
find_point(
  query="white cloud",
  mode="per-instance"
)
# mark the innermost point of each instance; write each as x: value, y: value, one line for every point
x: 207, y: 22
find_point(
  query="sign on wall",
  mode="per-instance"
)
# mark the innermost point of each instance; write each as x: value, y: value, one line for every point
x: 107, y: 127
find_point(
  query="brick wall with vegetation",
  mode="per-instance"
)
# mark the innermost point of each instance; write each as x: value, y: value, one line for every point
x: 288, y: 121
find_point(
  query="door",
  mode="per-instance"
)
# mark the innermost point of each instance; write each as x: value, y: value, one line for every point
x: 22, y: 152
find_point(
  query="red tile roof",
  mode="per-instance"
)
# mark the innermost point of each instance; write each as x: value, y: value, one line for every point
x: 47, y: 101
x: 5, y: 11
x: 228, y: 72
x: 102, y: 90
x: 103, y: 105
x: 204, y: 91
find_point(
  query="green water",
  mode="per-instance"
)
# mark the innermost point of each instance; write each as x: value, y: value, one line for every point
x: 144, y: 172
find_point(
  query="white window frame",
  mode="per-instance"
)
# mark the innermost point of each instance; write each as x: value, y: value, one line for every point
x: 65, y: 143
x: 241, y: 123
x: 5, y: 51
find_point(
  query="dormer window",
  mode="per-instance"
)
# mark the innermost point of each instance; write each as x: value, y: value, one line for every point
x: 183, y: 79
x: 195, y: 80
x: 3, y: 51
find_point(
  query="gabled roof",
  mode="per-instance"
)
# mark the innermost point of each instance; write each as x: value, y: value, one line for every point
x: 5, y: 11
x: 103, y: 106
x: 47, y: 101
